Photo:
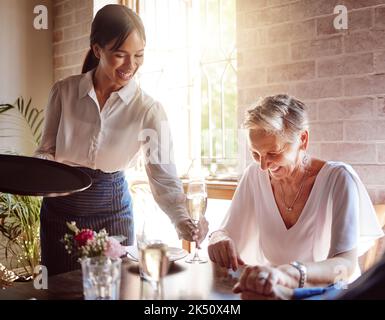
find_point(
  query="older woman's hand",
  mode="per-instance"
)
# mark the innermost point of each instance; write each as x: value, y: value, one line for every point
x: 258, y: 282
x: 222, y: 251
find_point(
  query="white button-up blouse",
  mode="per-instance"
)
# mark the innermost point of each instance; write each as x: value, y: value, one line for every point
x: 77, y: 133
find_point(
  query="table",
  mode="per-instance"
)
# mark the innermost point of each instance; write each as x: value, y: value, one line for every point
x: 184, y: 281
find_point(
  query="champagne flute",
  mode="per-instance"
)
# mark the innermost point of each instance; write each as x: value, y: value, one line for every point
x: 196, y: 206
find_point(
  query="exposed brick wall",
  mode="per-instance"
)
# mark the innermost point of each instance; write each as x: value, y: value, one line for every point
x: 292, y: 46
x: 72, y: 25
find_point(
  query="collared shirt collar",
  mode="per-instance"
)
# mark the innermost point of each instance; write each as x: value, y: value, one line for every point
x: 126, y: 93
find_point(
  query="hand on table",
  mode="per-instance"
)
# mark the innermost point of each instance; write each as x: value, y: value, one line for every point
x: 257, y: 282
x: 222, y: 251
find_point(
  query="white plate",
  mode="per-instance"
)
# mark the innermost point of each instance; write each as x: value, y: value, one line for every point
x: 173, y: 252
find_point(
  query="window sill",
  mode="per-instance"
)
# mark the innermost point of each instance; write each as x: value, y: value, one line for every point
x: 218, y: 189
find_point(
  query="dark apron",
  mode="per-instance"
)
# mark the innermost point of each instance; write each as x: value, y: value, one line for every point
x: 106, y: 204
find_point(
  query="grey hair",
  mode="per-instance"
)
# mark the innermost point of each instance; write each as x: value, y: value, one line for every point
x: 281, y: 115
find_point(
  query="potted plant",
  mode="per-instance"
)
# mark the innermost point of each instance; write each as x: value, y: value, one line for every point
x: 20, y: 215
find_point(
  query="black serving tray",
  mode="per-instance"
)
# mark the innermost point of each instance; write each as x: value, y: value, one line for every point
x: 37, y: 177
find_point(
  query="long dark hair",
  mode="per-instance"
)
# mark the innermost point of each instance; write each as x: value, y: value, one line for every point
x: 111, y: 22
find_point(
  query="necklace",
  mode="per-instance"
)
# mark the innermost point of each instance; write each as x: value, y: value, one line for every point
x: 290, y: 208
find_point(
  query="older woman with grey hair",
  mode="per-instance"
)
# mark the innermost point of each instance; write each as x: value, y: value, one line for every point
x: 300, y: 221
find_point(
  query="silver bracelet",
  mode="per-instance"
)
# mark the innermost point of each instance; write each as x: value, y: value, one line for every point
x: 302, y: 272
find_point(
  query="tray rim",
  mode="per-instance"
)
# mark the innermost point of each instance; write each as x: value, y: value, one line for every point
x: 76, y: 171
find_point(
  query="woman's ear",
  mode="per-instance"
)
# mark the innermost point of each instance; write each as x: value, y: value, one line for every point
x: 304, y: 140
x: 96, y: 50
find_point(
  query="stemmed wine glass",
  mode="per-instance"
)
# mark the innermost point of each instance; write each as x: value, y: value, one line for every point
x: 196, y: 206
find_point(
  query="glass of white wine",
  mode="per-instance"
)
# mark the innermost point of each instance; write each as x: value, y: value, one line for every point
x: 196, y: 195
x: 153, y: 263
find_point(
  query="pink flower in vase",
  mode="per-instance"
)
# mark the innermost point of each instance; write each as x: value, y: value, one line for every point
x: 114, y: 249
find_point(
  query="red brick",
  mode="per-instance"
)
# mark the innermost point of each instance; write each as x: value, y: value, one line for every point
x: 70, y: 6
x: 365, y: 130
x: 291, y: 72
x: 79, y: 4
x: 279, y: 2
x: 312, y: 8
x: 303, y: 30
x: 57, y: 10
x: 71, y: 46
x: 316, y: 48
x: 67, y: 7
x: 381, y: 152
x: 366, y: 85
x: 264, y: 56
x: 77, y: 31
x: 379, y: 62
x: 251, y: 77
x: 319, y: 89
x: 249, y: 95
x: 267, y: 16
x: 371, y: 174
x: 346, y: 109
x: 349, y: 152
x: 365, y: 41
x: 314, y: 149
x: 73, y: 59
x: 287, y: 32
x: 380, y: 107
x: 360, y: 19
x: 250, y: 5
x: 357, y: 20
x: 379, y: 15
x: 63, y: 48
x: 345, y: 65
x: 57, y: 36
x: 312, y: 109
x: 357, y: 4
x: 240, y: 20
x: 58, y: 62
x: 279, y: 33
x: 248, y: 38
x: 264, y: 37
x: 83, y: 15
x: 326, y: 131
x: 63, y: 21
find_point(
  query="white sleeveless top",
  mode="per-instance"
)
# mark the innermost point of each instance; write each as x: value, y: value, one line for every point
x: 337, y: 217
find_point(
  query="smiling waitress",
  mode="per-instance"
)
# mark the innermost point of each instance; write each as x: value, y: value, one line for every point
x: 93, y: 121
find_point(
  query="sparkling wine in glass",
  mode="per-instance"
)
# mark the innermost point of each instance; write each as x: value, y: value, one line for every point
x: 154, y: 262
x: 196, y: 207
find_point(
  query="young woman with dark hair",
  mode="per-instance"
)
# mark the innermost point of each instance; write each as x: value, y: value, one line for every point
x: 98, y: 121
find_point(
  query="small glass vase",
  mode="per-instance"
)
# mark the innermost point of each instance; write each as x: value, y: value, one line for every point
x: 101, y: 278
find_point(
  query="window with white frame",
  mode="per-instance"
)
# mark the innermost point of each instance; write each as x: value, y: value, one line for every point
x: 190, y: 67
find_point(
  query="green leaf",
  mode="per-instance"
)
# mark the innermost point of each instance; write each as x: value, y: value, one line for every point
x: 5, y: 107
x: 33, y: 121
x: 72, y: 226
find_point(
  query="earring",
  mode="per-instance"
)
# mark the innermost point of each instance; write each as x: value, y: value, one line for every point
x: 305, y: 160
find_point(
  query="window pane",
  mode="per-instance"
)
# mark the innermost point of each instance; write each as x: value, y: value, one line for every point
x: 190, y: 67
